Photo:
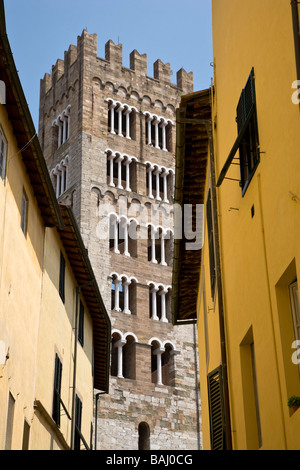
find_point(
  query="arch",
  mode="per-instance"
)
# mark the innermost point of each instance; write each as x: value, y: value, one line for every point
x: 133, y: 336
x: 118, y: 332
x: 158, y: 104
x: 155, y: 339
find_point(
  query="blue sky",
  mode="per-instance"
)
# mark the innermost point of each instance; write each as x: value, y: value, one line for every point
x: 178, y: 32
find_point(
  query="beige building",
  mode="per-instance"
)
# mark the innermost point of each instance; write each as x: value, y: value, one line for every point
x: 108, y: 136
x: 53, y: 323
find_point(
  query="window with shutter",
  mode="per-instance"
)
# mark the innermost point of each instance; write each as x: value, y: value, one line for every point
x: 78, y: 414
x: 216, y: 410
x: 247, y: 141
x: 62, y: 277
x: 57, y: 391
x: 3, y: 148
x: 81, y: 324
x: 24, y: 212
x: 295, y: 304
x: 248, y: 132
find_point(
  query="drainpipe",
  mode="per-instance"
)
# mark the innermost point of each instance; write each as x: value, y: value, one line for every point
x: 220, y: 292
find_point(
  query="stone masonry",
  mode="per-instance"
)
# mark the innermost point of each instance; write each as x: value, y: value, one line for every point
x: 108, y: 136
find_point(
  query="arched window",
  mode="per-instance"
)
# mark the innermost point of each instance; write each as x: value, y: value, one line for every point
x: 158, y: 131
x: 160, y: 245
x: 121, y: 170
x: 129, y: 357
x: 60, y: 177
x: 159, y: 302
x: 121, y: 119
x: 123, y: 293
x: 123, y: 355
x: 62, y: 127
x: 123, y: 235
x: 144, y: 436
x: 156, y: 353
x: 162, y: 362
x: 159, y: 182
x: 168, y: 366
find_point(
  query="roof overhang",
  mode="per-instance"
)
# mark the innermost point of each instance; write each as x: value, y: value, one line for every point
x: 193, y: 128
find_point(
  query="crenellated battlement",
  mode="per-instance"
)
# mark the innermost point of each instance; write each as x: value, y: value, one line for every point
x: 87, y: 49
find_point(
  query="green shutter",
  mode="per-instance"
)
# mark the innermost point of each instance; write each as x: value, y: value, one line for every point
x: 216, y: 410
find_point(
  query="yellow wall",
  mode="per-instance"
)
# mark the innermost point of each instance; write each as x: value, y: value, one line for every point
x: 260, y: 255
x: 34, y: 323
x: 20, y: 290
x: 57, y: 336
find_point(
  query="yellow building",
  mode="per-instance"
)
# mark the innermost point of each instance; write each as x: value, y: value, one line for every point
x: 247, y: 306
x: 54, y: 330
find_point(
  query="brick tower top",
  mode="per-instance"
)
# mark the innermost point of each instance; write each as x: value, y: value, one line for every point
x: 86, y: 49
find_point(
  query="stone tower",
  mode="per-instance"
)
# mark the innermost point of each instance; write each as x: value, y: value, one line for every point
x: 108, y: 135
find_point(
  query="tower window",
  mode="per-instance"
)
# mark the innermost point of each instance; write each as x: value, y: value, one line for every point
x: 121, y: 119
x: 60, y: 176
x: 62, y: 127
x: 158, y: 132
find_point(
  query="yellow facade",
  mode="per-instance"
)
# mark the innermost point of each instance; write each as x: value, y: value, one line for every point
x: 20, y: 294
x: 258, y: 229
x: 40, y: 344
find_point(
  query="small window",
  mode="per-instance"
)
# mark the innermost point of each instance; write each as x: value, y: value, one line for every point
x: 3, y: 152
x: 62, y: 277
x: 57, y: 391
x: 81, y: 324
x: 24, y: 213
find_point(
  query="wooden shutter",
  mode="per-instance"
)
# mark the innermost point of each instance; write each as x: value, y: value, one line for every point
x: 246, y: 105
x: 216, y: 410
